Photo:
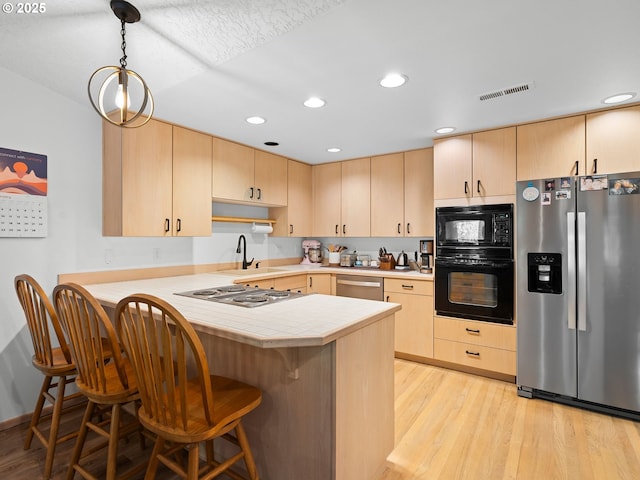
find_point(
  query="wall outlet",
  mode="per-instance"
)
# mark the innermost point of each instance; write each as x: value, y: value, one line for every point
x: 108, y: 256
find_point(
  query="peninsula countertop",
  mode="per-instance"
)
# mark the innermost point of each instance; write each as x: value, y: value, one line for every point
x: 310, y: 320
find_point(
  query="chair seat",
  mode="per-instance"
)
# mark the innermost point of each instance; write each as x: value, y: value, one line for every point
x: 232, y: 400
x: 60, y: 366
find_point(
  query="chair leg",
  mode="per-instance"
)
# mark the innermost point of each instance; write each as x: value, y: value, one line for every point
x: 153, y: 461
x: 55, y: 424
x: 82, y: 436
x: 35, y: 418
x: 248, y: 456
x: 192, y: 465
x: 114, y: 437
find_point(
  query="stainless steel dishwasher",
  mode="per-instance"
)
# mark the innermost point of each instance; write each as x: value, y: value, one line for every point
x: 360, y: 286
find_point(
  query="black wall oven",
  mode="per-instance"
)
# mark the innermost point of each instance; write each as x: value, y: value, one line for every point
x: 474, y: 262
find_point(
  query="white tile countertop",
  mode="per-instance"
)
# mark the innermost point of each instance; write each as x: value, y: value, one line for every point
x: 310, y: 320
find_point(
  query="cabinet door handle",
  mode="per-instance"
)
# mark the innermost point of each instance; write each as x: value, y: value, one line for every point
x: 595, y: 165
x: 408, y: 228
x: 344, y: 229
x: 577, y: 167
x: 167, y: 225
x: 387, y: 298
x: 337, y: 228
x: 399, y: 227
x: 475, y: 354
x: 466, y: 187
x: 178, y: 225
x: 251, y: 192
x: 259, y: 194
x: 471, y: 330
x: 478, y: 187
x: 408, y: 287
x: 291, y: 228
x: 310, y: 282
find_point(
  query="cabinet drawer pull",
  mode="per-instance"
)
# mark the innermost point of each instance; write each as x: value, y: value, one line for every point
x: 475, y: 354
x: 310, y: 282
x: 408, y: 287
x: 471, y: 330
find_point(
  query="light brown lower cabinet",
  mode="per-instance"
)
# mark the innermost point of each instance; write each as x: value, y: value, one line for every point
x: 481, y: 345
x: 295, y: 283
x: 414, y: 323
x: 319, y: 283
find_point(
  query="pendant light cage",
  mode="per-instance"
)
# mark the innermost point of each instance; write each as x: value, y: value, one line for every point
x: 119, y: 95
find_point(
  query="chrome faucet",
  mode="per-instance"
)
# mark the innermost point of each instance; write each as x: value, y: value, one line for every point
x: 245, y: 264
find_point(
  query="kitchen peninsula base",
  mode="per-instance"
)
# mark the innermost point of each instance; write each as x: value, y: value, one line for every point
x: 327, y: 411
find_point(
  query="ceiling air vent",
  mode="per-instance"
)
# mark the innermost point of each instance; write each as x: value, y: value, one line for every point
x: 507, y: 91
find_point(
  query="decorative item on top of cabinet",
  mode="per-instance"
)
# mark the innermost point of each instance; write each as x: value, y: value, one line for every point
x: 478, y: 165
x: 414, y: 323
x: 613, y: 141
x: 482, y: 345
x: 247, y: 176
x: 341, y: 198
x: 551, y: 149
x: 156, y: 181
x: 295, y: 220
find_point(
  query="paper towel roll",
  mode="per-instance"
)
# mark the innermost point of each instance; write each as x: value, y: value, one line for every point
x: 261, y: 228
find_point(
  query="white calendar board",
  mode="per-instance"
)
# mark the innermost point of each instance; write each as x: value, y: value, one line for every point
x: 23, y: 215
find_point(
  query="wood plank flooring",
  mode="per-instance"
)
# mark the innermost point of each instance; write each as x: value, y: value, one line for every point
x: 449, y: 425
x: 452, y: 425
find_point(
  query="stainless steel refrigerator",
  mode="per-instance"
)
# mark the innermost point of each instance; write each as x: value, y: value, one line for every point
x: 578, y: 290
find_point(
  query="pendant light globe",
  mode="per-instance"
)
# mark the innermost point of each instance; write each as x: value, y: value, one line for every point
x: 119, y: 95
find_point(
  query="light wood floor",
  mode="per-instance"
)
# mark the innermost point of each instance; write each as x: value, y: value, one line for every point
x: 452, y: 425
x: 449, y: 425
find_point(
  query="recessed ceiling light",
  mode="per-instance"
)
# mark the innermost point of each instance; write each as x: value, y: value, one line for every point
x: 445, y: 130
x: 393, y: 80
x: 334, y: 149
x: 271, y: 144
x: 314, y: 102
x: 619, y: 98
x: 255, y: 120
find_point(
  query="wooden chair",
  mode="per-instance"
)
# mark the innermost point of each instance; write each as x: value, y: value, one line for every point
x: 181, y: 402
x: 53, y: 362
x: 110, y: 385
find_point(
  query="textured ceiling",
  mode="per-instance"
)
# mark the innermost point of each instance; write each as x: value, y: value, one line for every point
x: 211, y: 64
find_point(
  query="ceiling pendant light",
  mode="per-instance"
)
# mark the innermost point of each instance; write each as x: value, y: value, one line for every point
x: 119, y: 95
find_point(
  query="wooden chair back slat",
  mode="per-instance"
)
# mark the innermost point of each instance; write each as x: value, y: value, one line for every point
x: 161, y: 344
x: 41, y: 317
x: 86, y: 324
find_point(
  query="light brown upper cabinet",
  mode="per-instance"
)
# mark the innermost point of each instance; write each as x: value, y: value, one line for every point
x: 294, y: 220
x: 402, y: 194
x: 244, y: 175
x: 341, y: 198
x: 478, y: 165
x: 551, y: 149
x: 613, y: 141
x: 156, y: 181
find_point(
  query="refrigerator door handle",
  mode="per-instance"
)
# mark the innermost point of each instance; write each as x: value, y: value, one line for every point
x: 582, y: 271
x: 571, y: 270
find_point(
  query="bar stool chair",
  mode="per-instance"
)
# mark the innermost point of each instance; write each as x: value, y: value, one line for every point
x: 53, y: 362
x: 181, y: 402
x: 110, y: 385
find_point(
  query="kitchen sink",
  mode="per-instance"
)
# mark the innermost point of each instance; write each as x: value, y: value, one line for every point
x: 249, y: 271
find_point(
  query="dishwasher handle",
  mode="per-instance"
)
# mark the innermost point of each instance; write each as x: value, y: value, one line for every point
x: 356, y: 283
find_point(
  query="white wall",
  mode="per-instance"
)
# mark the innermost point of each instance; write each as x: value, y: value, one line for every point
x: 35, y: 119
